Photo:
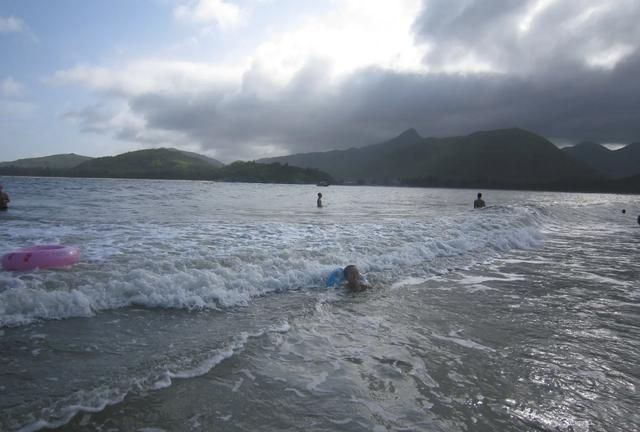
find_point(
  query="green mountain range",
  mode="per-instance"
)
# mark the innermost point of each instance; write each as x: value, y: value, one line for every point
x: 504, y: 158
x: 172, y: 164
x: 152, y: 163
x: 58, y: 161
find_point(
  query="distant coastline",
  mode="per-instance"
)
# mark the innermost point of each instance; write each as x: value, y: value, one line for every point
x: 510, y: 159
x: 609, y: 187
x: 170, y: 164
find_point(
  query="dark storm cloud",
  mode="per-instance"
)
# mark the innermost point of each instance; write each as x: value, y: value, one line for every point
x: 552, y: 78
x: 303, y: 116
x: 374, y: 105
x: 527, y: 36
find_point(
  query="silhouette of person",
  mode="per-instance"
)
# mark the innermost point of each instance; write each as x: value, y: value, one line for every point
x: 4, y: 200
x: 319, y: 202
x: 479, y: 203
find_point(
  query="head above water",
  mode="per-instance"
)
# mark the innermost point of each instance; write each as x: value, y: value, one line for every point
x: 319, y: 195
x: 349, y: 271
x: 354, y: 280
x: 479, y: 195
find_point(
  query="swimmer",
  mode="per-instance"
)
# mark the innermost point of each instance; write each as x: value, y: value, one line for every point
x: 623, y: 211
x: 4, y: 200
x: 479, y: 203
x: 319, y: 202
x: 354, y: 280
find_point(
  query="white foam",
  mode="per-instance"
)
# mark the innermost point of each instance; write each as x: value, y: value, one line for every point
x: 216, y: 265
x: 467, y: 343
x: 297, y: 392
x: 552, y: 419
x: 607, y: 281
x: 341, y: 422
x: 98, y: 399
x: 248, y: 374
x: 163, y: 382
x: 408, y: 281
x: 316, y: 381
x: 479, y: 288
x: 237, y: 385
x: 95, y: 401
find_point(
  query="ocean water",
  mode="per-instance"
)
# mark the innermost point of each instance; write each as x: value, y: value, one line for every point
x: 201, y: 306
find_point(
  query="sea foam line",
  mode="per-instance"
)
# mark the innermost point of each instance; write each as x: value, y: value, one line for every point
x: 228, y: 265
x: 98, y: 399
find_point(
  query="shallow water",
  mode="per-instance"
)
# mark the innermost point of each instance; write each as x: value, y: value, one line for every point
x: 201, y: 306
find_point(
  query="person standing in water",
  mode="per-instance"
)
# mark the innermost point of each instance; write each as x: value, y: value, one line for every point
x: 478, y: 203
x: 319, y: 202
x: 4, y: 200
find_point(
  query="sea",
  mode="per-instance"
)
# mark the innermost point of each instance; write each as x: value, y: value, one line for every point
x: 202, y: 306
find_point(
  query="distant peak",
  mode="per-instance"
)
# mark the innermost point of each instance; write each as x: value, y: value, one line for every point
x: 410, y: 133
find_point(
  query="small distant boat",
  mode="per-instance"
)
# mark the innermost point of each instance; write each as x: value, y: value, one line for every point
x: 323, y: 183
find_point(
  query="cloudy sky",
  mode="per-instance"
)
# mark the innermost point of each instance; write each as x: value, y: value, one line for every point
x: 244, y: 79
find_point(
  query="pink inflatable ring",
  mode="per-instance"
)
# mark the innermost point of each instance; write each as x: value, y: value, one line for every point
x: 40, y: 257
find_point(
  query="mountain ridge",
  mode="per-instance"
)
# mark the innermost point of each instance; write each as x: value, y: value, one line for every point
x: 620, y: 163
x: 511, y: 157
x: 175, y: 164
x: 61, y: 160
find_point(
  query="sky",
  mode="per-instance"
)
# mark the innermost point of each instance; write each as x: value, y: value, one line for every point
x: 246, y: 79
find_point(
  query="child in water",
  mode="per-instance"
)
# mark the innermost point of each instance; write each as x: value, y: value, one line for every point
x: 355, y: 281
x: 319, y: 200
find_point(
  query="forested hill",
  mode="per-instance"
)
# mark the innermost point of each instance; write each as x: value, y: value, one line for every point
x: 58, y: 161
x: 175, y: 164
x: 510, y: 158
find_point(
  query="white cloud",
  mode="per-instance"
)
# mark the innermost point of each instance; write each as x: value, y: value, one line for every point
x: 10, y: 87
x: 225, y: 15
x: 532, y: 13
x: 146, y: 76
x: 355, y: 35
x: 529, y: 37
x: 608, y: 58
x: 119, y: 120
x: 11, y: 25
